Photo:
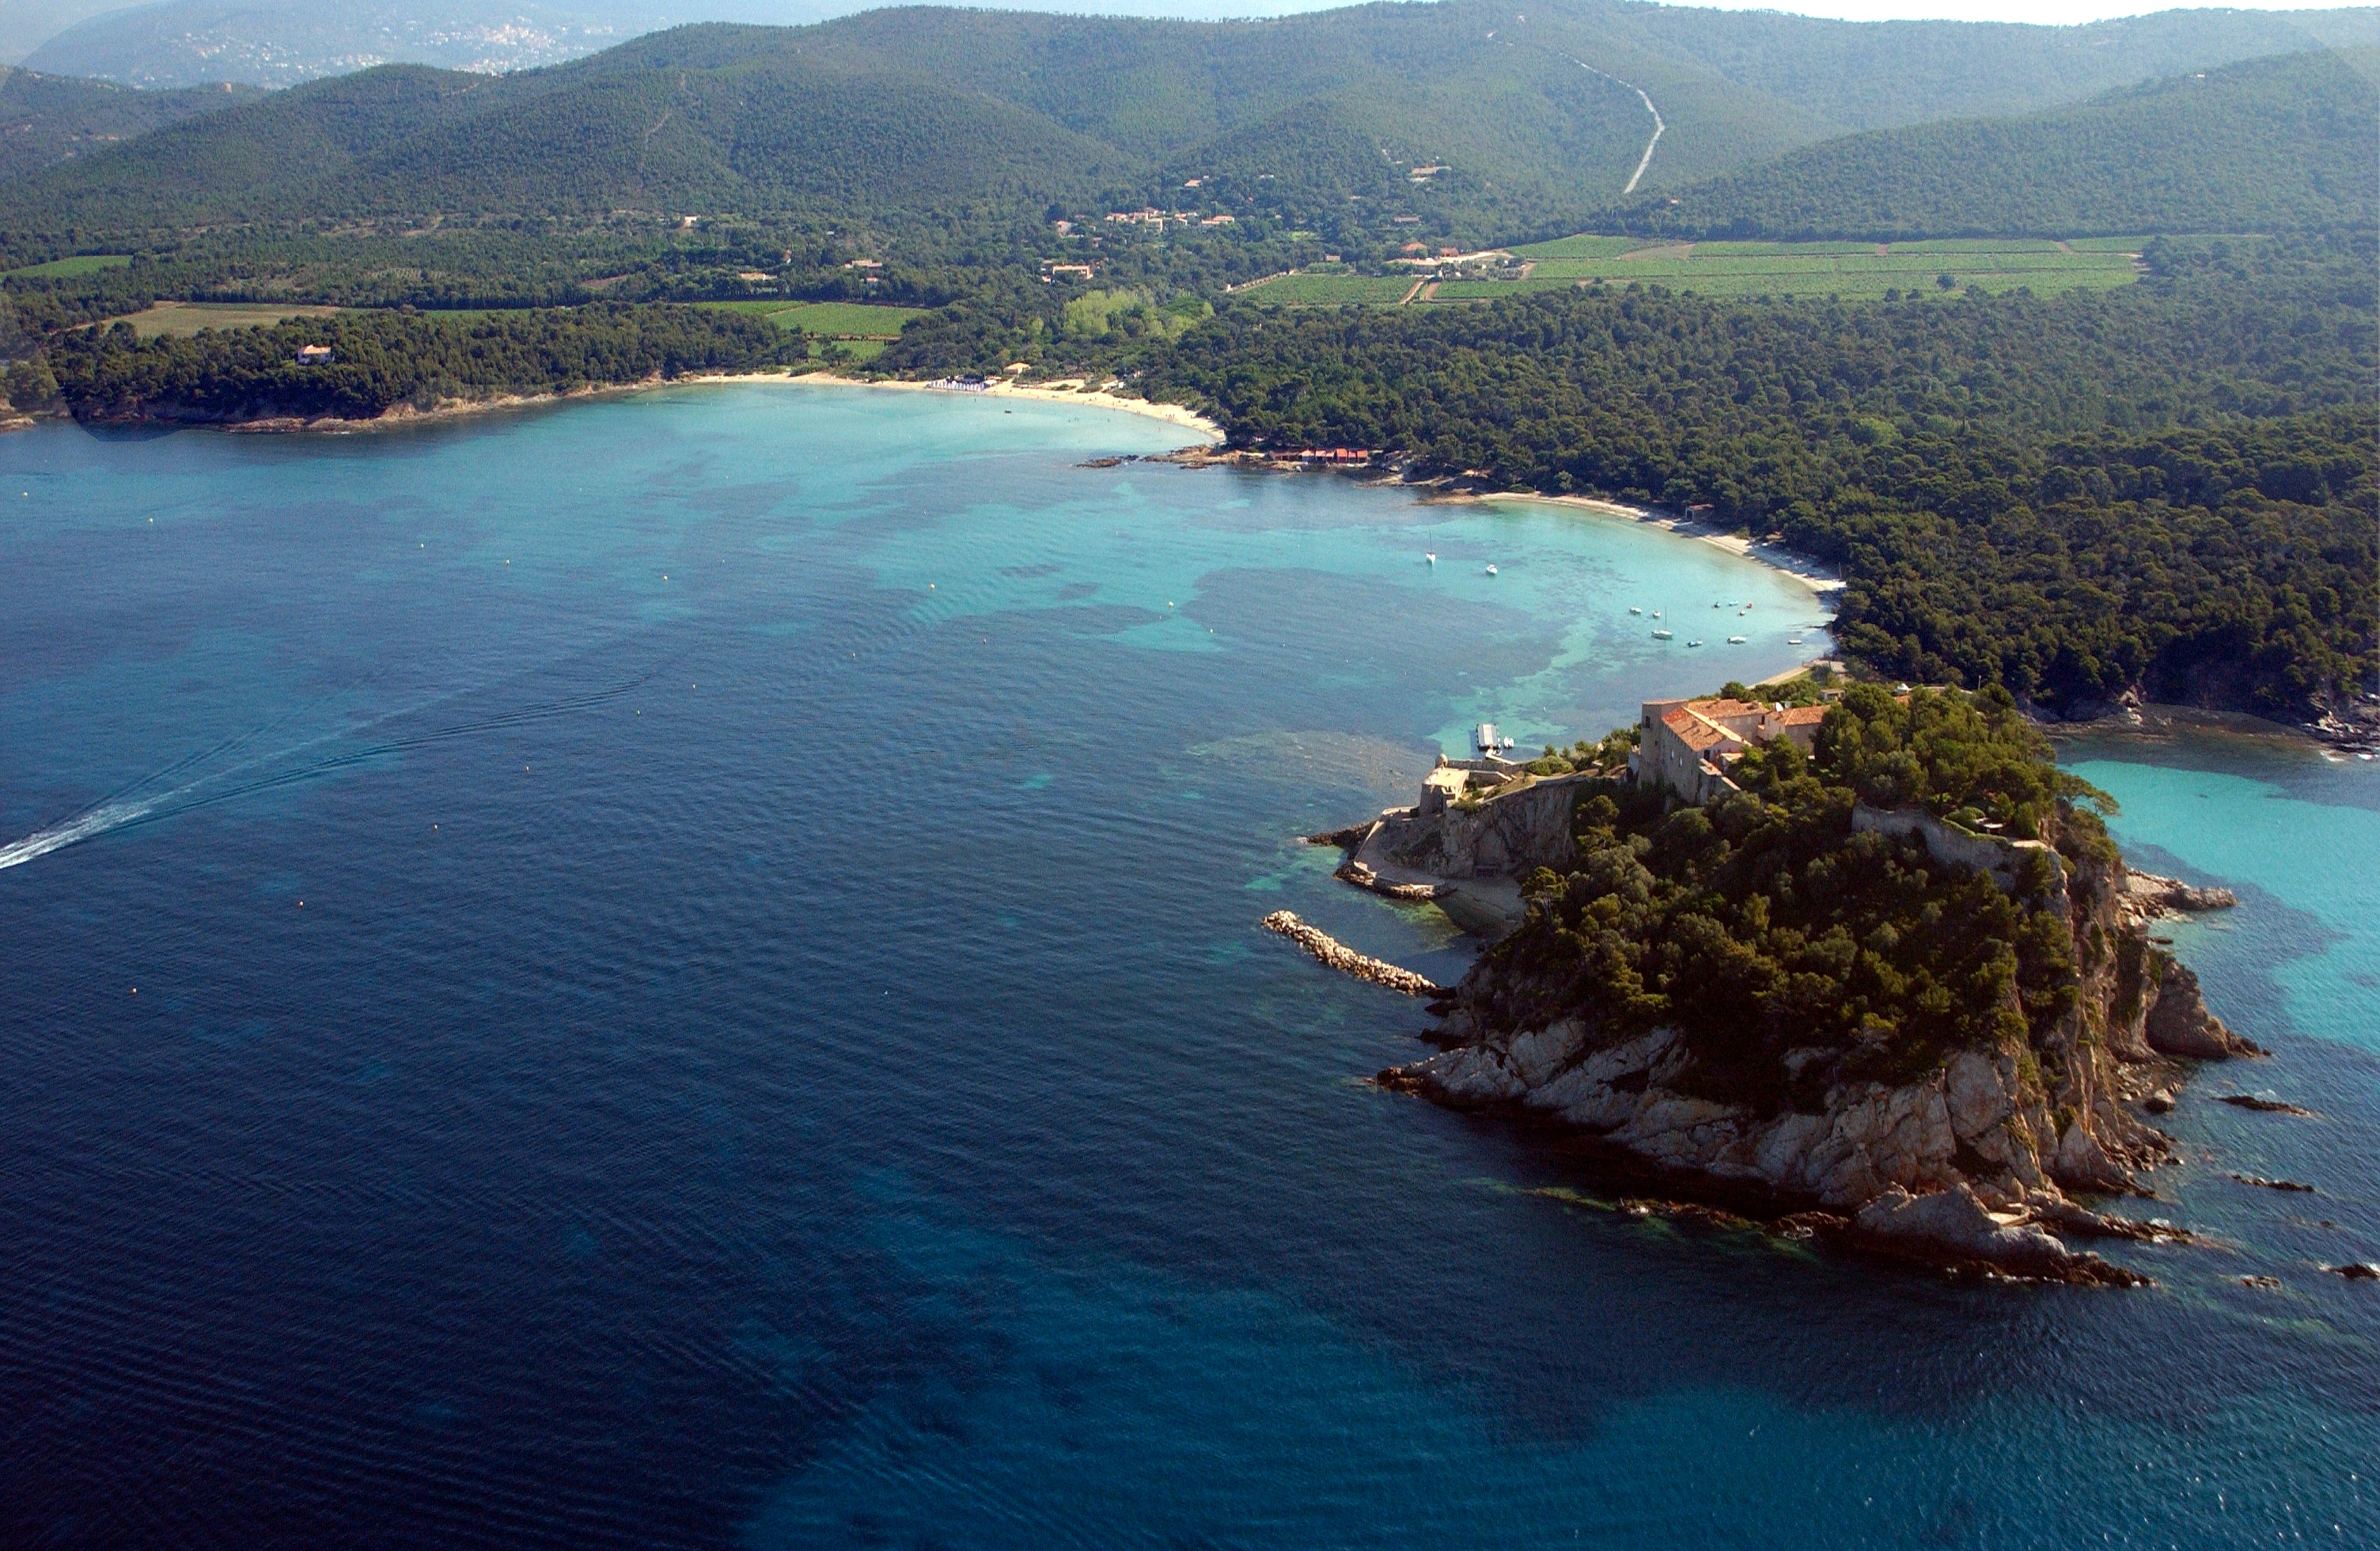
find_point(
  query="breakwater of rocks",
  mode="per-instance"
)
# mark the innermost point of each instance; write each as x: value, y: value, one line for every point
x: 1346, y: 960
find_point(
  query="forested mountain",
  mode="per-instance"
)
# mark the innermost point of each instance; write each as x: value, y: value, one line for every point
x: 47, y: 119
x: 2270, y: 144
x: 1852, y: 75
x: 1874, y: 75
x: 281, y: 43
x: 1533, y: 117
x: 904, y: 110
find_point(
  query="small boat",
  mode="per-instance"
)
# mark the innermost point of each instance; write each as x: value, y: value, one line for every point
x: 1430, y: 556
x: 1718, y: 605
x: 1693, y: 643
x: 1635, y: 610
x: 1656, y: 613
x: 1660, y: 635
x: 1735, y: 641
x: 1792, y: 640
x: 1491, y: 570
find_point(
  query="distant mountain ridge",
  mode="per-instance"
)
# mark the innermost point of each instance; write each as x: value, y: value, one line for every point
x: 1529, y: 120
x: 1850, y: 74
x: 284, y: 42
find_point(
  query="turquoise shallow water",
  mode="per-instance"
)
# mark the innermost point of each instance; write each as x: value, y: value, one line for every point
x: 684, y: 972
x: 2296, y: 832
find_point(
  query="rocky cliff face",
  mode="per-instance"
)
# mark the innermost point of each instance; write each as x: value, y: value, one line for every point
x: 1525, y: 826
x: 1971, y: 1161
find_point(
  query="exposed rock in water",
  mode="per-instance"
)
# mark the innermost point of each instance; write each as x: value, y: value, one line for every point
x: 2268, y: 1284
x: 1949, y: 1226
x: 2356, y: 1270
x: 2263, y: 1183
x: 2151, y: 897
x: 1345, y: 960
x: 1362, y: 877
x: 2178, y: 1024
x: 2159, y: 1102
x: 2261, y: 1106
x: 2052, y: 1212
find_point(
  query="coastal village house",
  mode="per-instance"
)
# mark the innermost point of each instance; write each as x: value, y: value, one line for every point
x: 1689, y: 745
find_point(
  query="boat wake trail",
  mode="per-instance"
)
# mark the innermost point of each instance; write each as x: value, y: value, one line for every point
x: 57, y: 837
x: 176, y: 790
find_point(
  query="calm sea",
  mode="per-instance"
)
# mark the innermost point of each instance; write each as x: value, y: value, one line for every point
x: 684, y: 972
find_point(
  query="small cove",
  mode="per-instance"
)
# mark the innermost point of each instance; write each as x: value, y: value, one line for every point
x: 775, y: 1048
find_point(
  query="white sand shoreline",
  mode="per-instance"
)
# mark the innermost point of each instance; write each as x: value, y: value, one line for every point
x: 1172, y: 414
x: 1822, y: 580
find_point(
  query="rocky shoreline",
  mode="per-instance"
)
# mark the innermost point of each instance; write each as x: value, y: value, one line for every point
x: 1973, y: 1170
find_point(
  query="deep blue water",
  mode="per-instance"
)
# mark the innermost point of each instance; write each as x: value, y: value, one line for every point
x: 684, y: 972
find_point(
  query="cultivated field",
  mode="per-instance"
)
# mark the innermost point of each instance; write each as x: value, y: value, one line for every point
x: 1850, y: 270
x: 1327, y: 290
x: 182, y: 318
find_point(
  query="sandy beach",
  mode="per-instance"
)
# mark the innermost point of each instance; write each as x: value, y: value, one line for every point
x: 1172, y: 414
x: 1820, y: 578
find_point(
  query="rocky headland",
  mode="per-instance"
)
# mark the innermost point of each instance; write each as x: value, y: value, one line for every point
x: 1966, y: 1149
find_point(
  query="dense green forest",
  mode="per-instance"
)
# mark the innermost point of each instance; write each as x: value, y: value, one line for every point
x: 47, y: 119
x: 1762, y: 923
x: 2270, y: 145
x: 2172, y: 484
x: 382, y: 360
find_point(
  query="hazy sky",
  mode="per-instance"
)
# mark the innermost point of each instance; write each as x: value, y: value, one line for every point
x: 2055, y: 13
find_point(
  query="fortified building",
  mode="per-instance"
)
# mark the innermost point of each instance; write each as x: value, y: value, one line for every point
x: 1690, y: 746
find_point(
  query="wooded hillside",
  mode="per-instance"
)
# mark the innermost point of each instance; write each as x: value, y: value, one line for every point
x: 2268, y: 145
x: 1532, y: 117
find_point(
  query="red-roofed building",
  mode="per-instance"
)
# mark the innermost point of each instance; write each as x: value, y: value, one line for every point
x: 1688, y: 746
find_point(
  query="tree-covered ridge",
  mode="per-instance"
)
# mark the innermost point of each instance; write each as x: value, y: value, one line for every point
x: 916, y: 115
x: 1791, y: 952
x: 2171, y: 485
x: 1316, y: 121
x: 1875, y: 75
x: 382, y: 360
x: 2268, y: 145
x: 46, y: 119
